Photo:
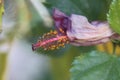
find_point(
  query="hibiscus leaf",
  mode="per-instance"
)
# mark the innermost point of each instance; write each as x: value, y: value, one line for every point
x: 96, y: 66
x: 93, y: 9
x: 114, y: 16
x: 64, y: 5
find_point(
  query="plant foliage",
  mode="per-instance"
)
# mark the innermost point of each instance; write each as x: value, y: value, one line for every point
x: 96, y: 66
x: 114, y: 16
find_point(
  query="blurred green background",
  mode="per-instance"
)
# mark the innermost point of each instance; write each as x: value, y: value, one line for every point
x: 24, y: 21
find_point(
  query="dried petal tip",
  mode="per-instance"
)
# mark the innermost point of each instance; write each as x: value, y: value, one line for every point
x: 61, y: 21
x: 51, y: 41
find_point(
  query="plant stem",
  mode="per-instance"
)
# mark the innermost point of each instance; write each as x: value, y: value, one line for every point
x: 114, y: 48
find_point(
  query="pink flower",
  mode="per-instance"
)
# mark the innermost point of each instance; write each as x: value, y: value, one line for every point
x: 79, y: 31
x: 76, y: 30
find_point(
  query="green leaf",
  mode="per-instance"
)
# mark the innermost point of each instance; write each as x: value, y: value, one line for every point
x: 92, y: 9
x: 114, y: 15
x: 96, y: 66
x: 65, y: 5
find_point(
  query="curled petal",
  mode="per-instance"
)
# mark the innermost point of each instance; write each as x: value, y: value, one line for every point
x: 89, y: 43
x: 61, y: 20
x: 83, y: 33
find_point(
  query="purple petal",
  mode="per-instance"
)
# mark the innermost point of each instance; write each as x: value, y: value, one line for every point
x: 89, y: 43
x: 61, y: 20
x: 82, y: 33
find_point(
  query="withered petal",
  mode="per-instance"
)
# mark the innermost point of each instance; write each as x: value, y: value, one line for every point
x: 80, y: 31
x: 84, y: 33
x: 61, y: 20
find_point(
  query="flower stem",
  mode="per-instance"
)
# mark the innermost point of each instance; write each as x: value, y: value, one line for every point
x: 114, y: 48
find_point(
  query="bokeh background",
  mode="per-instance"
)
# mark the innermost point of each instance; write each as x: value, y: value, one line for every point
x: 24, y: 21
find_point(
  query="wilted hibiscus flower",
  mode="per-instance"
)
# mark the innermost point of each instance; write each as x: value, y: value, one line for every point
x: 76, y: 30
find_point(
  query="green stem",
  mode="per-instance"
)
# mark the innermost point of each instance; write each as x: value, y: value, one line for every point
x: 114, y: 48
